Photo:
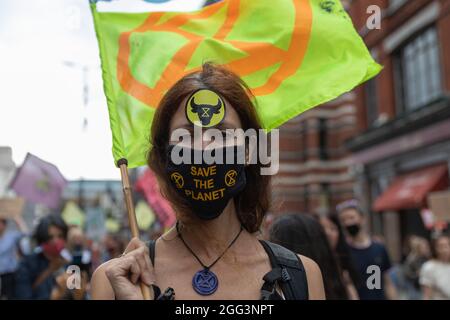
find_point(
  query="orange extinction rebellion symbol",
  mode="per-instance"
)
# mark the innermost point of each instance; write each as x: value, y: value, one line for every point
x: 258, y: 55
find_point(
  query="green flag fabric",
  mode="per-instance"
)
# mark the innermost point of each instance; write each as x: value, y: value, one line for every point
x: 73, y: 215
x: 293, y: 54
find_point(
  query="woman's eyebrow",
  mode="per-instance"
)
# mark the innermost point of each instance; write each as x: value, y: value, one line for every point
x: 225, y: 125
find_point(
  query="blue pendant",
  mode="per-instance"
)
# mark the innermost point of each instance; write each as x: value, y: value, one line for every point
x: 205, y: 282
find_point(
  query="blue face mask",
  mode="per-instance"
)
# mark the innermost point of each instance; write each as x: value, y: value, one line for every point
x: 207, y: 187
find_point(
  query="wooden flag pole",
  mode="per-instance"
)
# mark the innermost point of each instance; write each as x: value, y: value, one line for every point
x: 123, y: 165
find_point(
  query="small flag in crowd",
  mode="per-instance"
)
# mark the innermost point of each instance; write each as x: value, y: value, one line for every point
x: 39, y: 181
x: 293, y: 54
x: 112, y: 225
x: 144, y: 216
x: 148, y: 185
x: 73, y: 215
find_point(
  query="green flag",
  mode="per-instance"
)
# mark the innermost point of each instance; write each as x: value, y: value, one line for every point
x: 73, y: 215
x: 144, y: 216
x: 293, y: 54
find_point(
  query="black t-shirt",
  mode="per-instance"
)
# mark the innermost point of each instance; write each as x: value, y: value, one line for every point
x: 374, y: 255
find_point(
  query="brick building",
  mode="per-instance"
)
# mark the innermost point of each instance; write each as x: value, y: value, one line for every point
x: 386, y: 137
x: 314, y: 170
x: 401, y: 149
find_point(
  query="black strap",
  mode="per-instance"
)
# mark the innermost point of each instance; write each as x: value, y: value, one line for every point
x: 287, y: 270
x: 156, y: 292
x: 151, y: 248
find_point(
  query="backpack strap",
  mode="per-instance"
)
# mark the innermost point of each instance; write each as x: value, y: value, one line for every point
x: 156, y: 290
x: 151, y: 248
x: 288, y: 271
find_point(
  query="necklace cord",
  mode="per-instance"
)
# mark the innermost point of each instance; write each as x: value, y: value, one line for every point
x: 198, y: 259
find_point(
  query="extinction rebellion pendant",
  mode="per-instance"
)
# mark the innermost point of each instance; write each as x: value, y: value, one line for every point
x: 205, y: 282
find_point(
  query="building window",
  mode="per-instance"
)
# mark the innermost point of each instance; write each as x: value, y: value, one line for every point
x: 325, y: 197
x: 371, y: 102
x: 375, y: 191
x: 418, y: 77
x: 323, y: 143
x: 304, y: 137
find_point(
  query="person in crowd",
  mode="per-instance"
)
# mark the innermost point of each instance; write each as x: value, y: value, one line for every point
x: 35, y: 276
x: 78, y: 290
x: 405, y: 276
x: 9, y: 247
x: 370, y: 257
x: 435, y: 273
x: 338, y: 244
x: 113, y: 246
x: 303, y: 234
x: 77, y: 244
x: 78, y: 278
x: 213, y: 250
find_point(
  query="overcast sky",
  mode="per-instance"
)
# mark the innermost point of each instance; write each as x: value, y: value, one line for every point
x: 41, y: 97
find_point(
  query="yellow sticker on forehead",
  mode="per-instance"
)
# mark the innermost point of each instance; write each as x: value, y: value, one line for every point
x: 205, y: 108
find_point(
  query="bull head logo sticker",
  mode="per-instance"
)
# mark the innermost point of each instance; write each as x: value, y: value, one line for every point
x: 205, y: 108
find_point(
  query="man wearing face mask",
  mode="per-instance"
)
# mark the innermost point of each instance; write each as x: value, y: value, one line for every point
x: 366, y: 252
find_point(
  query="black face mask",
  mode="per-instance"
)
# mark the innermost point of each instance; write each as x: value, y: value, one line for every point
x: 207, y: 187
x: 353, y: 229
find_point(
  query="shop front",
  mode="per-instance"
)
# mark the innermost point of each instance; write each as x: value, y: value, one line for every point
x: 395, y: 177
x: 407, y: 195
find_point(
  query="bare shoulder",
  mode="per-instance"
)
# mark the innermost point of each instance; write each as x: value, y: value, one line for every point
x: 100, y: 286
x: 310, y: 265
x: 316, y: 290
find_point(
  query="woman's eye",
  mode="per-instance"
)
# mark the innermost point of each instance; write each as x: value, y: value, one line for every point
x: 184, y: 137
